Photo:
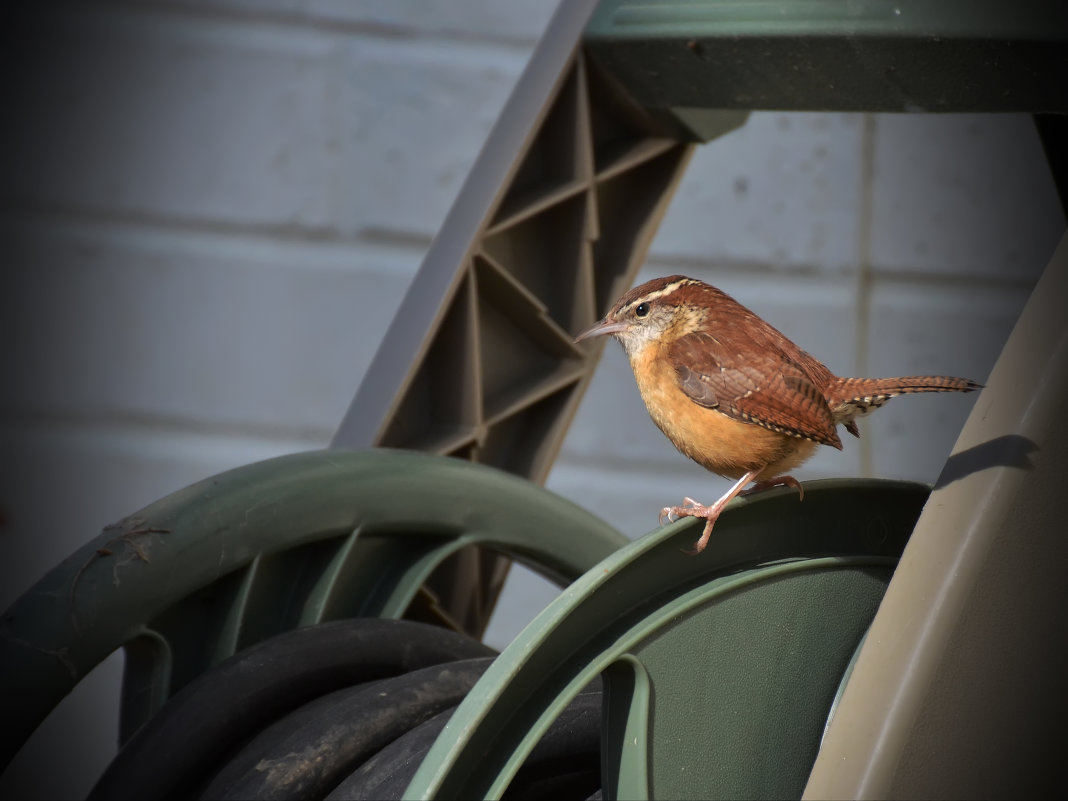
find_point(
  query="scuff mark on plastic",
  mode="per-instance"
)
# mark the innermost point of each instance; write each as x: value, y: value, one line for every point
x: 133, y: 529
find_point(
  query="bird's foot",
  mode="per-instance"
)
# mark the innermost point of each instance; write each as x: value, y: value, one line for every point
x: 691, y: 509
x: 709, y: 513
x: 694, y: 509
x: 781, y: 481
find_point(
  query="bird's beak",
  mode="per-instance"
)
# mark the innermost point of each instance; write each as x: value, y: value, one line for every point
x: 603, y: 328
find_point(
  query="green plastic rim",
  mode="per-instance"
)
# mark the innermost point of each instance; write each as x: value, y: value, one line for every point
x: 852, y: 528
x: 194, y: 577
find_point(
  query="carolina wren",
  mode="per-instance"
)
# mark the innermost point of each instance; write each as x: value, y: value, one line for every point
x: 734, y: 394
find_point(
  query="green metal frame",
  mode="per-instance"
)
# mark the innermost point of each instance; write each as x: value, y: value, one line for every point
x: 676, y: 59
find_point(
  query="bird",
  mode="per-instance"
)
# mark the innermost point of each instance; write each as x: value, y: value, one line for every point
x: 733, y: 393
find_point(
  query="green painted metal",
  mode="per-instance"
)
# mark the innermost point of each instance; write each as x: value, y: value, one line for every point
x: 246, y: 554
x: 810, y: 55
x: 719, y: 670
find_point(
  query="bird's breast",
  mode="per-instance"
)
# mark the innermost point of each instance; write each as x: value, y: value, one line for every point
x: 717, y: 442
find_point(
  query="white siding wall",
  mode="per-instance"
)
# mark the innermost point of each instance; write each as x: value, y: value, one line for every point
x: 210, y: 209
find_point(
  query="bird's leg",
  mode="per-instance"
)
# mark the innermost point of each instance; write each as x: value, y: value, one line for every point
x: 781, y: 481
x: 710, y: 513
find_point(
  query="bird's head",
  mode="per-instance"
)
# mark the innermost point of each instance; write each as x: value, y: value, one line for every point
x: 657, y: 311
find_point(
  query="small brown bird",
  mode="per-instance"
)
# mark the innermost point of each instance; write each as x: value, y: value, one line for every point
x: 734, y: 394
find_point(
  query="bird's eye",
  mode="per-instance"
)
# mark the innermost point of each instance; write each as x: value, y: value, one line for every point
x: 641, y: 310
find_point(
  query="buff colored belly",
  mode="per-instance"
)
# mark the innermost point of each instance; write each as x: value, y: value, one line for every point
x: 715, y: 441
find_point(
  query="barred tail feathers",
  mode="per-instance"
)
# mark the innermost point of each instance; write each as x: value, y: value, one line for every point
x: 845, y: 390
x: 852, y: 397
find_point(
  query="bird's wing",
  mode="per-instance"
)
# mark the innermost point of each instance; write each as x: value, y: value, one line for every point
x: 775, y: 395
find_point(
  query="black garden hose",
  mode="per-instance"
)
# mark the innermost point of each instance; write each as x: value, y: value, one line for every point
x: 308, y: 752
x: 202, y: 726
x: 566, y: 760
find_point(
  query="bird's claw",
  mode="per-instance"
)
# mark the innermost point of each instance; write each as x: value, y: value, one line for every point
x: 690, y: 508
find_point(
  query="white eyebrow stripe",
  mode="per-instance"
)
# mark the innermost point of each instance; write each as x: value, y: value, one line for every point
x: 662, y: 292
